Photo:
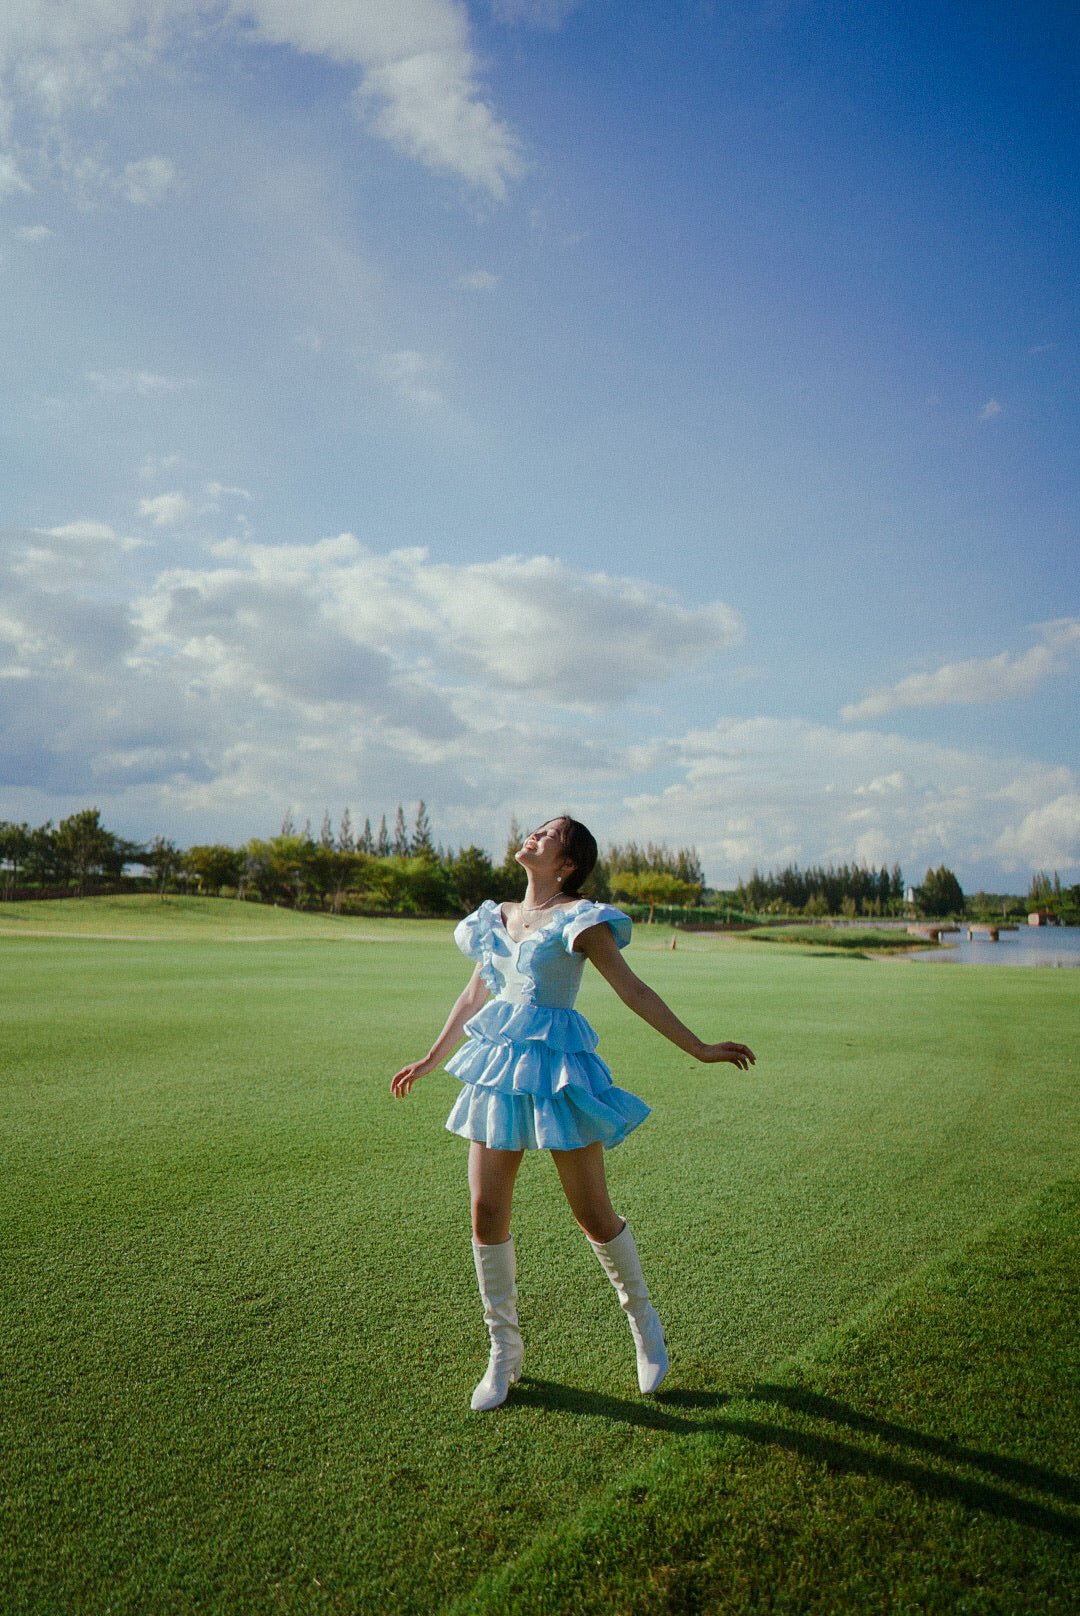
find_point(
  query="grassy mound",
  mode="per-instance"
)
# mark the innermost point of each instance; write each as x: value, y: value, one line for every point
x: 144, y: 917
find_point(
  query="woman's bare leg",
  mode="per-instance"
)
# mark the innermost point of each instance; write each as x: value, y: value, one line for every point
x: 581, y: 1173
x: 491, y: 1191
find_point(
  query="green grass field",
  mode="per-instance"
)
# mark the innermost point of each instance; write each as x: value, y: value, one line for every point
x: 239, y: 1318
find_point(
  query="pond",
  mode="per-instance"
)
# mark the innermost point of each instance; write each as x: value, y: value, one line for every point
x: 1028, y: 945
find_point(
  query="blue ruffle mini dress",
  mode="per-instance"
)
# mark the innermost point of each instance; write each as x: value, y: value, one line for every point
x: 529, y: 1072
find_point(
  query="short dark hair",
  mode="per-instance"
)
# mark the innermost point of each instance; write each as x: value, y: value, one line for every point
x: 579, y: 844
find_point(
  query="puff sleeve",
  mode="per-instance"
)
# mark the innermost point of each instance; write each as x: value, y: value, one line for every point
x: 598, y: 914
x: 473, y: 933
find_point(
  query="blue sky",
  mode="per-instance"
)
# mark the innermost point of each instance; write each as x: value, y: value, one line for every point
x: 665, y: 412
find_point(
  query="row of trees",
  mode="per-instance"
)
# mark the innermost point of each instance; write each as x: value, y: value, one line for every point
x: 850, y: 890
x: 399, y: 868
x: 845, y: 889
x: 75, y: 853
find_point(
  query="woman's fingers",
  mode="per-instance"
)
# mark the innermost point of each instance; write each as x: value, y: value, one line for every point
x: 740, y: 1055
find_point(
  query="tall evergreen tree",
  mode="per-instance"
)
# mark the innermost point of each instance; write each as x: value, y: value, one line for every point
x: 382, y: 844
x: 326, y: 833
x: 422, y: 843
x: 346, y: 839
x: 401, y: 835
x: 366, y: 843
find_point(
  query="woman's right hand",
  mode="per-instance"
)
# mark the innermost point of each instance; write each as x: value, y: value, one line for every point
x: 402, y: 1082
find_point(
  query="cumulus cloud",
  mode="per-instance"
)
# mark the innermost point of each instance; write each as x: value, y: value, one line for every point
x: 988, y: 679
x: 330, y: 671
x: 246, y: 678
x: 1046, y: 838
x: 517, y: 624
x: 419, y: 83
x: 991, y: 410
x: 768, y: 792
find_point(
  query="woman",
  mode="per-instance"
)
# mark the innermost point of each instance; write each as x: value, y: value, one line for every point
x: 531, y: 1080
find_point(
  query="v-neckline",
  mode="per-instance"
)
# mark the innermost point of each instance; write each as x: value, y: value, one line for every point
x: 518, y: 941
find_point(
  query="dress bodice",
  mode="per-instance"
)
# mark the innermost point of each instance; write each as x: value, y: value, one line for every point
x: 542, y: 969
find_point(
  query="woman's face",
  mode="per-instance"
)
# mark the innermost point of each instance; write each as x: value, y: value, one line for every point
x: 542, y: 850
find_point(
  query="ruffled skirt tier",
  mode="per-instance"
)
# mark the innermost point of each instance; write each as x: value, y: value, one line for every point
x: 531, y: 1080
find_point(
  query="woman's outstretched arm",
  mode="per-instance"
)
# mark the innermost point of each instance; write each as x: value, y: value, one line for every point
x: 602, y: 949
x: 466, y: 1004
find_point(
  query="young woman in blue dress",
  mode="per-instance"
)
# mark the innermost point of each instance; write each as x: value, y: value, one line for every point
x: 531, y: 1080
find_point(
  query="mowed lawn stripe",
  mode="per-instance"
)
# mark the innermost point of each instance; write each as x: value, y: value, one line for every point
x: 239, y: 1318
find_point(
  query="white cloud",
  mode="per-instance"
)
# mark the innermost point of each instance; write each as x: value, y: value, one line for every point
x: 769, y: 792
x: 75, y: 554
x: 419, y: 80
x: 989, y: 679
x: 427, y: 106
x: 516, y: 624
x: 1047, y: 838
x: 32, y: 235
x: 583, y: 638
x: 270, y: 674
x: 166, y: 510
x: 271, y: 670
x: 91, y: 532
x: 991, y: 410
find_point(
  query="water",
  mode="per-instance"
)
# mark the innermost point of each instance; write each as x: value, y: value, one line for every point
x: 1028, y: 945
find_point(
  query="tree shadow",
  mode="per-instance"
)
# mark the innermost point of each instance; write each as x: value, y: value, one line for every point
x: 691, y: 1413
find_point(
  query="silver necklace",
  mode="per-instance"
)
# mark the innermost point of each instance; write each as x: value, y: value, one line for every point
x: 535, y: 909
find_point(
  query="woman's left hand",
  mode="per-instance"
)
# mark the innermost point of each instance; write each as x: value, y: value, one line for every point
x: 401, y: 1083
x: 735, y: 1054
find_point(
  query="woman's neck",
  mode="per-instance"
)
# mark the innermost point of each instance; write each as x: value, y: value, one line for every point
x: 542, y: 894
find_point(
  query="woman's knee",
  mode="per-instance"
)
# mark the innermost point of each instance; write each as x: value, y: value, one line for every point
x: 597, y: 1219
x: 490, y: 1218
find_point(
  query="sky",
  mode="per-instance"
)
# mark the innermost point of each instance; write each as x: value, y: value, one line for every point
x: 661, y: 412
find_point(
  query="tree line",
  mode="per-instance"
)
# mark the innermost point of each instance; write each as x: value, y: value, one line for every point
x: 850, y: 890
x: 396, y: 868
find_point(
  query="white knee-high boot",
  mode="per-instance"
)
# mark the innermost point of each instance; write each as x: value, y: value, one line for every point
x: 496, y: 1274
x: 620, y: 1262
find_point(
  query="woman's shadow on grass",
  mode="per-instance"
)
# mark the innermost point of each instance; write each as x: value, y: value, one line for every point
x: 805, y: 1424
